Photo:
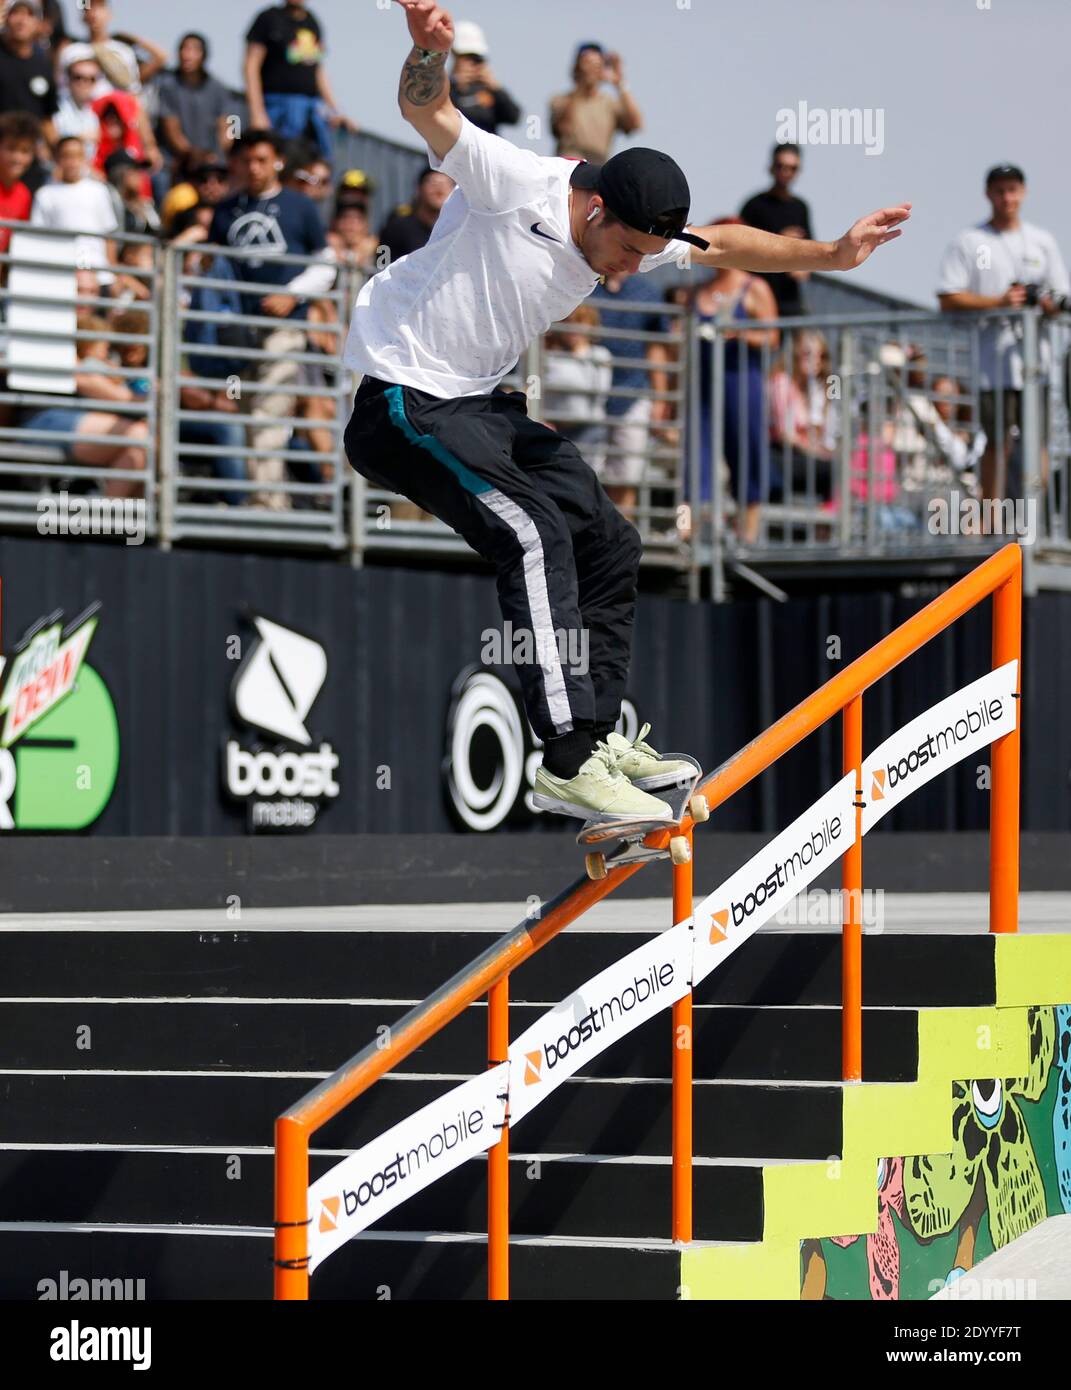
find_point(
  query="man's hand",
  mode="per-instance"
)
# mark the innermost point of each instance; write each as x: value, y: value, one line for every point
x: 429, y: 24
x: 279, y: 306
x: 868, y: 233
x: 613, y: 70
x: 1014, y: 296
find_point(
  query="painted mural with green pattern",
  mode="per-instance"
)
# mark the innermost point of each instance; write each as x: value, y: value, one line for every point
x: 939, y: 1214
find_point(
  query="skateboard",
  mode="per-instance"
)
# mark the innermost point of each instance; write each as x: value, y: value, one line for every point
x: 611, y: 843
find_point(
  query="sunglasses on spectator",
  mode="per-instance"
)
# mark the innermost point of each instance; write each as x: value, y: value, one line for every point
x: 789, y: 167
x: 316, y: 180
x: 83, y: 76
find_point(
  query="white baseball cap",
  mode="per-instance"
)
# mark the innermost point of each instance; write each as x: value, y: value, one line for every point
x: 77, y: 53
x: 470, y: 38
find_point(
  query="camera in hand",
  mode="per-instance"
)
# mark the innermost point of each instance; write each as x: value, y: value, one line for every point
x: 1034, y: 293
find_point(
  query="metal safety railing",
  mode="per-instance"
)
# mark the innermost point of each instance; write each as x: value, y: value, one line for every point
x: 156, y: 371
x: 255, y: 401
x: 79, y: 353
x: 1000, y: 576
x: 898, y: 435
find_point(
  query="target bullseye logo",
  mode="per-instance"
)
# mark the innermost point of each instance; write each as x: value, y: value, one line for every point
x: 485, y: 757
x: 491, y: 752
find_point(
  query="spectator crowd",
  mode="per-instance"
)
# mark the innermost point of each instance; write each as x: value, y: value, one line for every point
x: 116, y: 144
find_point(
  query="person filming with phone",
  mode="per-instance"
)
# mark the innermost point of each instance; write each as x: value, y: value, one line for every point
x: 585, y: 120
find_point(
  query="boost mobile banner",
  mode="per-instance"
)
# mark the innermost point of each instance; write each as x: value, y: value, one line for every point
x: 938, y: 739
x: 427, y: 1145
x: 727, y: 917
x: 606, y: 1008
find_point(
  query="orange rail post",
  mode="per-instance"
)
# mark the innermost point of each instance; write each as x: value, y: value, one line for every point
x: 852, y: 925
x: 1004, y: 793
x: 291, y: 1209
x: 498, y: 1155
x: 683, y: 1038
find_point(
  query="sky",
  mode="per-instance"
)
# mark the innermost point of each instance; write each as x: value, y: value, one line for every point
x: 944, y: 88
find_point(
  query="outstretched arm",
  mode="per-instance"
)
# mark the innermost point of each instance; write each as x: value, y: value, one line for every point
x: 746, y: 248
x: 424, y: 93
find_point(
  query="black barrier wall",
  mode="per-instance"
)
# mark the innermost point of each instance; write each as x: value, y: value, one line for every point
x: 271, y: 695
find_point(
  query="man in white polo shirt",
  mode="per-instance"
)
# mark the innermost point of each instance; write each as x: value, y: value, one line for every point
x: 1004, y: 262
x: 519, y: 244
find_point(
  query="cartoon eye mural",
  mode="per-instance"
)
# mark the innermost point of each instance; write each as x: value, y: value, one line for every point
x: 988, y: 1098
x: 990, y: 1143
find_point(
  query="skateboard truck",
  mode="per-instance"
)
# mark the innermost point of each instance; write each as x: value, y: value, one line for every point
x: 624, y: 842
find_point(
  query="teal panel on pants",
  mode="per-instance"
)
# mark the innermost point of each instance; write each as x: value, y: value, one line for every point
x: 465, y: 476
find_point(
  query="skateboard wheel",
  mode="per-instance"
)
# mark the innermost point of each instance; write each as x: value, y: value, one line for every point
x: 699, y: 809
x: 595, y: 865
x: 680, y: 851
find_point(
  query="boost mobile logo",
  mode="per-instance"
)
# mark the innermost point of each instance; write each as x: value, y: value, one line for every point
x: 446, y: 1136
x: 274, y: 690
x: 277, y: 685
x: 972, y: 721
x: 653, y: 981
x: 781, y: 875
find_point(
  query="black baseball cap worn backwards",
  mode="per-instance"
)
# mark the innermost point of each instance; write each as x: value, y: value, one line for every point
x: 646, y: 189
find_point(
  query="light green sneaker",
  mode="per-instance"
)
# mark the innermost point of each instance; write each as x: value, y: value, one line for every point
x: 597, y: 792
x: 646, y: 768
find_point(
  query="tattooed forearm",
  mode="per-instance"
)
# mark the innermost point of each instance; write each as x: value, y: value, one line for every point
x: 423, y: 82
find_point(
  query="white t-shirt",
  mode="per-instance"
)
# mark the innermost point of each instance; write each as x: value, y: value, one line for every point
x: 85, y: 206
x: 500, y: 267
x: 78, y: 120
x: 984, y: 261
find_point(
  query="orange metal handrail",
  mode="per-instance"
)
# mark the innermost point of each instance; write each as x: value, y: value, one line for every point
x: 1001, y: 576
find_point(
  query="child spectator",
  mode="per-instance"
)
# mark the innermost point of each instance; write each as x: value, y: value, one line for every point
x: 123, y: 127
x: 131, y: 433
x: 133, y: 280
x: 76, y: 115
x: 203, y: 182
x: 800, y: 449
x: 79, y: 203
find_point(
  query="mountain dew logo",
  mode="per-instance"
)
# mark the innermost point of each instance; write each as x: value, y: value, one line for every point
x: 59, y: 739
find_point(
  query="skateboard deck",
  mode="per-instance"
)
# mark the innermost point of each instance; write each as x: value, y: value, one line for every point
x: 611, y: 843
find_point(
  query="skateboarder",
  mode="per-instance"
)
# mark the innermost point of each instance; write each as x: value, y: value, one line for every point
x: 519, y: 244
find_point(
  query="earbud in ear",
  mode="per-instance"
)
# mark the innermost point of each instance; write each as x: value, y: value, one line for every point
x: 593, y: 214
x: 279, y: 166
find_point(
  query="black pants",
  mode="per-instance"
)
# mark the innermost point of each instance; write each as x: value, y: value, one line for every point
x: 523, y: 497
